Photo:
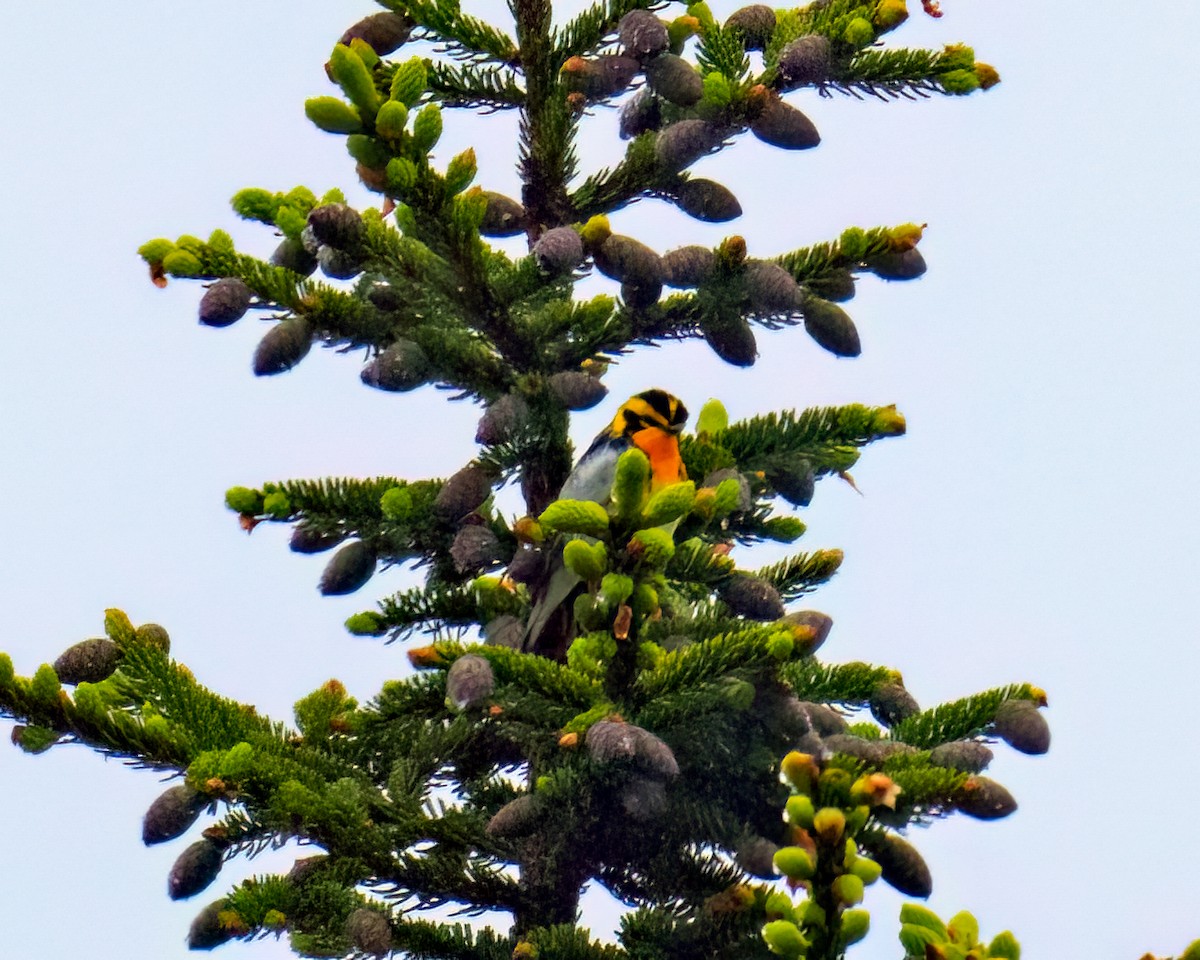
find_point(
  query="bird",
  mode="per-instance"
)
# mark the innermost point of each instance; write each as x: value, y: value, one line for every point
x: 651, y: 421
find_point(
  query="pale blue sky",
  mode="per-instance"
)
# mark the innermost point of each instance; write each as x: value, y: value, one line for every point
x: 1037, y: 523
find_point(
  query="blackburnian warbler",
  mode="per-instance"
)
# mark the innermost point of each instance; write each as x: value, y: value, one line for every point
x: 650, y: 421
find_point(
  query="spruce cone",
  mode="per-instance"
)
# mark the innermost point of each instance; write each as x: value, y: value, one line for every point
x: 782, y: 125
x: 225, y: 302
x: 823, y: 720
x: 337, y: 225
x: 984, y: 799
x: 307, y: 539
x: 752, y: 598
x: 903, y: 867
x: 771, y: 288
x: 655, y: 757
x: 609, y: 740
x: 820, y: 623
x: 684, y: 142
x: 305, y: 867
x: 638, y: 296
x: 309, y: 240
x: 688, y: 266
x: 805, y: 60
x: 559, y: 250
x: 890, y: 703
x: 858, y: 747
x: 794, y: 481
x: 707, y: 201
x: 731, y: 339
x: 641, y: 113
x: 338, y: 264
x: 576, y: 390
x: 967, y: 756
x: 504, y: 631
x: 88, y: 661
x: 382, y: 32
x: 291, y: 255
x: 898, y: 265
x: 475, y: 549
x: 756, y: 23
x: 644, y: 800
x: 502, y: 419
x: 385, y: 297
x: 629, y: 261
x: 194, y: 870
x: 1021, y: 725
x: 206, y: 931
x: 604, y: 76
x: 401, y: 367
x: 370, y: 932
x: 463, y: 492
x: 171, y: 814
x: 347, y: 570
x: 502, y: 217
x: 674, y: 79
x: 284, y: 346
x: 837, y: 285
x: 757, y: 857
x: 469, y: 681
x: 642, y: 34
x: 831, y: 327
x: 517, y: 818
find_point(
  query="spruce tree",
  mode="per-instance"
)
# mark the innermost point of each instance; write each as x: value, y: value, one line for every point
x: 671, y: 733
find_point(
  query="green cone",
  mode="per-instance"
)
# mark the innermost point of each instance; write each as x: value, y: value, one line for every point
x: 731, y: 339
x: 284, y: 346
x: 674, y: 79
x: 771, y: 289
x: 194, y: 870
x: 890, y: 703
x: 707, y: 201
x: 401, y: 367
x: 307, y: 539
x: 831, y: 327
x: 347, y: 570
x: 752, y: 598
x: 1020, y: 724
x: 502, y: 217
x: 172, y: 814
x: 225, y: 302
x: 782, y: 125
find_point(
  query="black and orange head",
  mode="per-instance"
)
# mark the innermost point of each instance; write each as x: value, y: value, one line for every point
x: 650, y: 409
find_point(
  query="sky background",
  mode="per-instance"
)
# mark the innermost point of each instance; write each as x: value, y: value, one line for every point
x: 1038, y: 522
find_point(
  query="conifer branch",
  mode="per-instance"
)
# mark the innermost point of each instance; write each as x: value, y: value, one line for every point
x: 468, y: 85
x: 461, y: 35
x: 590, y: 28
x: 748, y: 651
x: 959, y: 719
x: 427, y: 610
x: 802, y: 573
x: 846, y: 683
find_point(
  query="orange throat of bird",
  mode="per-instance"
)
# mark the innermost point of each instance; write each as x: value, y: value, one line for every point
x: 662, y: 448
